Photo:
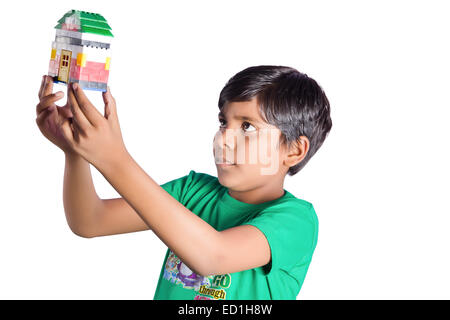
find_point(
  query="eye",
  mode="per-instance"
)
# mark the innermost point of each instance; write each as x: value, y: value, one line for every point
x: 220, y: 121
x: 246, y: 124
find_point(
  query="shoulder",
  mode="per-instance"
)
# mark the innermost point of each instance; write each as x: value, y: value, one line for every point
x: 291, y: 206
x: 297, y: 201
x: 295, y: 217
x: 291, y: 229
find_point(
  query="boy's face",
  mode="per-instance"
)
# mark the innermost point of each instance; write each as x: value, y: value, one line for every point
x: 250, y: 144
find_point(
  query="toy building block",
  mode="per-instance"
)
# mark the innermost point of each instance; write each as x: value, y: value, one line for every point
x: 81, y: 51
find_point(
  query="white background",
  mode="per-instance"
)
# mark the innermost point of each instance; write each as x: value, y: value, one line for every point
x: 379, y: 183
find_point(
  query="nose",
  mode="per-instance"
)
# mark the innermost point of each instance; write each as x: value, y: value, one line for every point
x: 223, y: 144
x: 225, y: 140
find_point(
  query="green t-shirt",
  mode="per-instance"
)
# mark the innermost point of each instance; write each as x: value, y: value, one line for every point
x: 289, y: 224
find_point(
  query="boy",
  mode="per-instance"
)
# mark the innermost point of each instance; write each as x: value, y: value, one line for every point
x: 240, y: 235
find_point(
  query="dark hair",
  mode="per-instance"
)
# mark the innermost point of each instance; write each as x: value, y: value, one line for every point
x: 288, y: 99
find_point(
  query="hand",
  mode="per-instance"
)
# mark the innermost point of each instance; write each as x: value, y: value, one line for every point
x: 95, y: 137
x: 50, y: 116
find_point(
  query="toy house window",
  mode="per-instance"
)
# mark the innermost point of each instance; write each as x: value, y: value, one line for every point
x: 65, y: 62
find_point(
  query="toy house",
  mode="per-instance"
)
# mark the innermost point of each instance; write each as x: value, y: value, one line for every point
x: 81, y: 51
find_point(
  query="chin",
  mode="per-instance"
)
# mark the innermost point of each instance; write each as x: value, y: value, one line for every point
x: 222, y: 180
x: 225, y: 178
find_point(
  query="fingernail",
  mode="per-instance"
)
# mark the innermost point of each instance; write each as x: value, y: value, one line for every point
x: 59, y: 94
x: 75, y: 86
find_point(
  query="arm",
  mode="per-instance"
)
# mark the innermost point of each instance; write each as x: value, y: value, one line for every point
x: 186, y: 234
x: 80, y: 199
x: 202, y: 248
x: 87, y: 215
x: 241, y: 248
x: 98, y: 139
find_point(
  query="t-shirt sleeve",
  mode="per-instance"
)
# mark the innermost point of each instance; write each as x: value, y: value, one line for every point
x: 291, y: 231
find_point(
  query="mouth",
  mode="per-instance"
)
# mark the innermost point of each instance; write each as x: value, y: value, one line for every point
x: 224, y: 163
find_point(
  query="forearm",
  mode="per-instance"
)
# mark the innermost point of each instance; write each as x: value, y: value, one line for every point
x: 186, y: 234
x: 79, y: 196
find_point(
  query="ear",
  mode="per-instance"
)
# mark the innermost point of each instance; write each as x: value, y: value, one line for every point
x: 297, y: 151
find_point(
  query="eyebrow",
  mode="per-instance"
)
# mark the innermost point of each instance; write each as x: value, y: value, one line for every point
x: 239, y: 117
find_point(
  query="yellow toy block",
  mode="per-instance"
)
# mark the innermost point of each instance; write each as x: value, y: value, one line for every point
x: 53, y: 55
x: 108, y: 61
x: 81, y: 59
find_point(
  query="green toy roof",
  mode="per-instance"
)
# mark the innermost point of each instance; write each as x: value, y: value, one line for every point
x: 89, y: 22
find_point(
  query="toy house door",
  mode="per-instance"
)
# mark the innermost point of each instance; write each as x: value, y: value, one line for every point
x: 64, y: 65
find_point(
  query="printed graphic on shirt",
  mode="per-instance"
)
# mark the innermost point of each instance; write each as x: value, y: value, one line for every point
x: 216, y: 290
x: 208, y: 288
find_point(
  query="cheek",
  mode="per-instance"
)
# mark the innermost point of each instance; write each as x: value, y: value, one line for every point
x: 251, y: 148
x: 247, y: 151
x: 262, y: 149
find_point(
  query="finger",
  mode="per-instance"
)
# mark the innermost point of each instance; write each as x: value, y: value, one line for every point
x: 41, y: 87
x: 48, y: 86
x: 107, y: 107
x: 48, y: 101
x: 78, y: 116
x: 91, y: 113
x: 110, y: 104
